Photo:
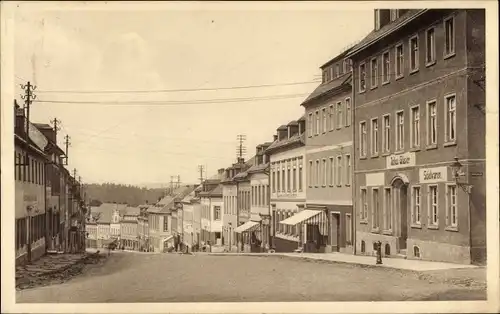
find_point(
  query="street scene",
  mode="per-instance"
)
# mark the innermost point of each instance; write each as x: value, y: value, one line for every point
x: 254, y: 156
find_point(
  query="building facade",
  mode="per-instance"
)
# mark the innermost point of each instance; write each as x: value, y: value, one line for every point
x: 328, y: 111
x: 129, y: 229
x: 287, y: 184
x: 211, y: 211
x: 417, y: 77
x: 143, y: 228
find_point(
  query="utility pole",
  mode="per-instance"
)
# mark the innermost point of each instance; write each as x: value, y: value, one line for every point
x: 67, y: 144
x: 28, y: 98
x: 74, y: 173
x: 241, y: 149
x: 178, y: 181
x: 201, y: 168
x: 56, y: 123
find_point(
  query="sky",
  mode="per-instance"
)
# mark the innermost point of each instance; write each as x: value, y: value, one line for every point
x: 146, y: 137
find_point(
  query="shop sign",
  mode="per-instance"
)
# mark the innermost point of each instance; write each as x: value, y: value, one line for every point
x: 400, y: 160
x: 433, y: 175
x: 375, y: 179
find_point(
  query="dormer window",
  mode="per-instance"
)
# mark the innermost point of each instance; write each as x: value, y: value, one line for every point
x: 394, y: 15
x: 377, y: 20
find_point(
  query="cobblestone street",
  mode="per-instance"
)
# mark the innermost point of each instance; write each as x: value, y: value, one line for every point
x: 142, y: 277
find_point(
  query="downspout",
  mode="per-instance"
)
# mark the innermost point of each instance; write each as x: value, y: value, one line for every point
x: 238, y: 237
x: 353, y: 160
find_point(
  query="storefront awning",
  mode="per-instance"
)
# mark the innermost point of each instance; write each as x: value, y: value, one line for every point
x: 247, y: 227
x: 170, y: 237
x: 306, y: 215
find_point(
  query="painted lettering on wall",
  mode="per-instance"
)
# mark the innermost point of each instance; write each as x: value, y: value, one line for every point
x: 433, y: 175
x: 400, y: 161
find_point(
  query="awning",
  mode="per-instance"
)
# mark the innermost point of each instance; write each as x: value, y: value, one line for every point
x: 305, y: 215
x: 170, y: 237
x: 247, y: 226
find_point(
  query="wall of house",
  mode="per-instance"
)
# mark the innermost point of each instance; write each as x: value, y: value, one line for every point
x: 260, y: 195
x: 298, y: 155
x: 229, y: 220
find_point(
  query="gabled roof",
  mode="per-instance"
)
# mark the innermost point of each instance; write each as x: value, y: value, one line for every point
x: 387, y: 29
x: 326, y: 89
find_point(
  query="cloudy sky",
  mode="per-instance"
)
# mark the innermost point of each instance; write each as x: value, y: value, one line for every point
x: 144, y: 135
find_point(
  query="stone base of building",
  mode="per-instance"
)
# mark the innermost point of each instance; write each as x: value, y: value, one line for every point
x: 36, y: 254
x: 416, y: 249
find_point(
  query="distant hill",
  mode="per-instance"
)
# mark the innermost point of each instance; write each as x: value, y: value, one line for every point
x: 120, y: 193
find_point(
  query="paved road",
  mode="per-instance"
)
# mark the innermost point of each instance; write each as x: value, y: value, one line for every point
x: 129, y: 277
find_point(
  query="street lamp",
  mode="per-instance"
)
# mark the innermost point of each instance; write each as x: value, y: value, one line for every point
x: 457, y: 172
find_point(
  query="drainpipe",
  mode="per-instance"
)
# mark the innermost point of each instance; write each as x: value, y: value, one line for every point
x: 237, y: 214
x: 353, y: 161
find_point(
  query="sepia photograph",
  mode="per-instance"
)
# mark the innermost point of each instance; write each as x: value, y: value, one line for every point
x: 249, y: 153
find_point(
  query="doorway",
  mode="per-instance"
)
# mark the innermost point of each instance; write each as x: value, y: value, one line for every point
x: 401, y: 209
x: 335, y: 232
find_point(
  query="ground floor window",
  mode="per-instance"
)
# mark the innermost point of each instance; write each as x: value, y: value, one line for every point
x: 21, y: 233
x: 348, y: 228
x: 451, y: 205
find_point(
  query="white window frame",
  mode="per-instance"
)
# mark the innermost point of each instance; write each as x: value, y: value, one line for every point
x: 373, y: 73
x: 331, y: 177
x: 414, y: 54
x: 400, y: 138
x: 388, y: 211
x: 348, y: 111
x: 386, y: 73
x: 294, y: 177
x: 415, y: 126
x: 377, y: 19
x: 429, y: 62
x: 300, y: 175
x: 338, y: 170
x: 311, y: 124
x: 323, y: 120
x: 363, y: 209
x: 363, y: 143
x: 429, y: 142
x: 375, y: 214
x: 449, y: 205
x: 396, y: 59
x: 337, y: 70
x: 317, y: 131
x: 318, y: 173
x: 451, y: 52
x: 386, y: 134
x: 374, y: 137
x: 339, y: 113
x: 348, y: 228
x: 311, y: 173
x: 414, y: 221
x: 447, y: 139
x: 332, y: 117
x: 394, y: 14
x: 324, y: 173
x: 362, y: 89
x: 348, y: 167
x: 430, y: 206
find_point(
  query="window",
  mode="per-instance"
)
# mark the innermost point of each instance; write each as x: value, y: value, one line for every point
x: 362, y: 77
x: 451, y: 206
x: 326, y: 75
x: 430, y: 49
x: 377, y: 19
x: 387, y: 209
x: 323, y: 112
x: 278, y: 186
x: 348, y: 229
x: 374, y: 73
x: 433, y: 205
x: 217, y: 213
x: 338, y: 171
x: 386, y: 139
x: 283, y: 179
x: 451, y: 119
x: 324, y: 173
x: 363, y: 205
x: 431, y: 123
x: 348, y: 170
x: 374, y: 137
x: 394, y: 15
x: 449, y: 36
x: 386, y: 67
x: 317, y: 123
x: 362, y: 134
x: 310, y: 122
x: 399, y: 61
x: 414, y: 61
x: 348, y: 112
x: 339, y: 115
x: 331, y: 176
x: 273, y: 178
x: 375, y: 212
x: 165, y: 224
x: 300, y: 174
x: 332, y: 118
x: 415, y: 127
x: 311, y: 173
x: 337, y: 70
x: 294, y: 182
x: 288, y: 177
x: 318, y: 174
x: 400, y: 127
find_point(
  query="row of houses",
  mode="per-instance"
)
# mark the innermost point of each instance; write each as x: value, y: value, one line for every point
x: 50, y: 204
x: 377, y: 156
x: 390, y: 148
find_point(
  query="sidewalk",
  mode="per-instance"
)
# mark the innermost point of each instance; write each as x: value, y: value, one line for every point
x: 394, y: 263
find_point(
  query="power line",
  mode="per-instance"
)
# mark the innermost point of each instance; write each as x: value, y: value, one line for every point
x: 178, y: 102
x: 174, y: 90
